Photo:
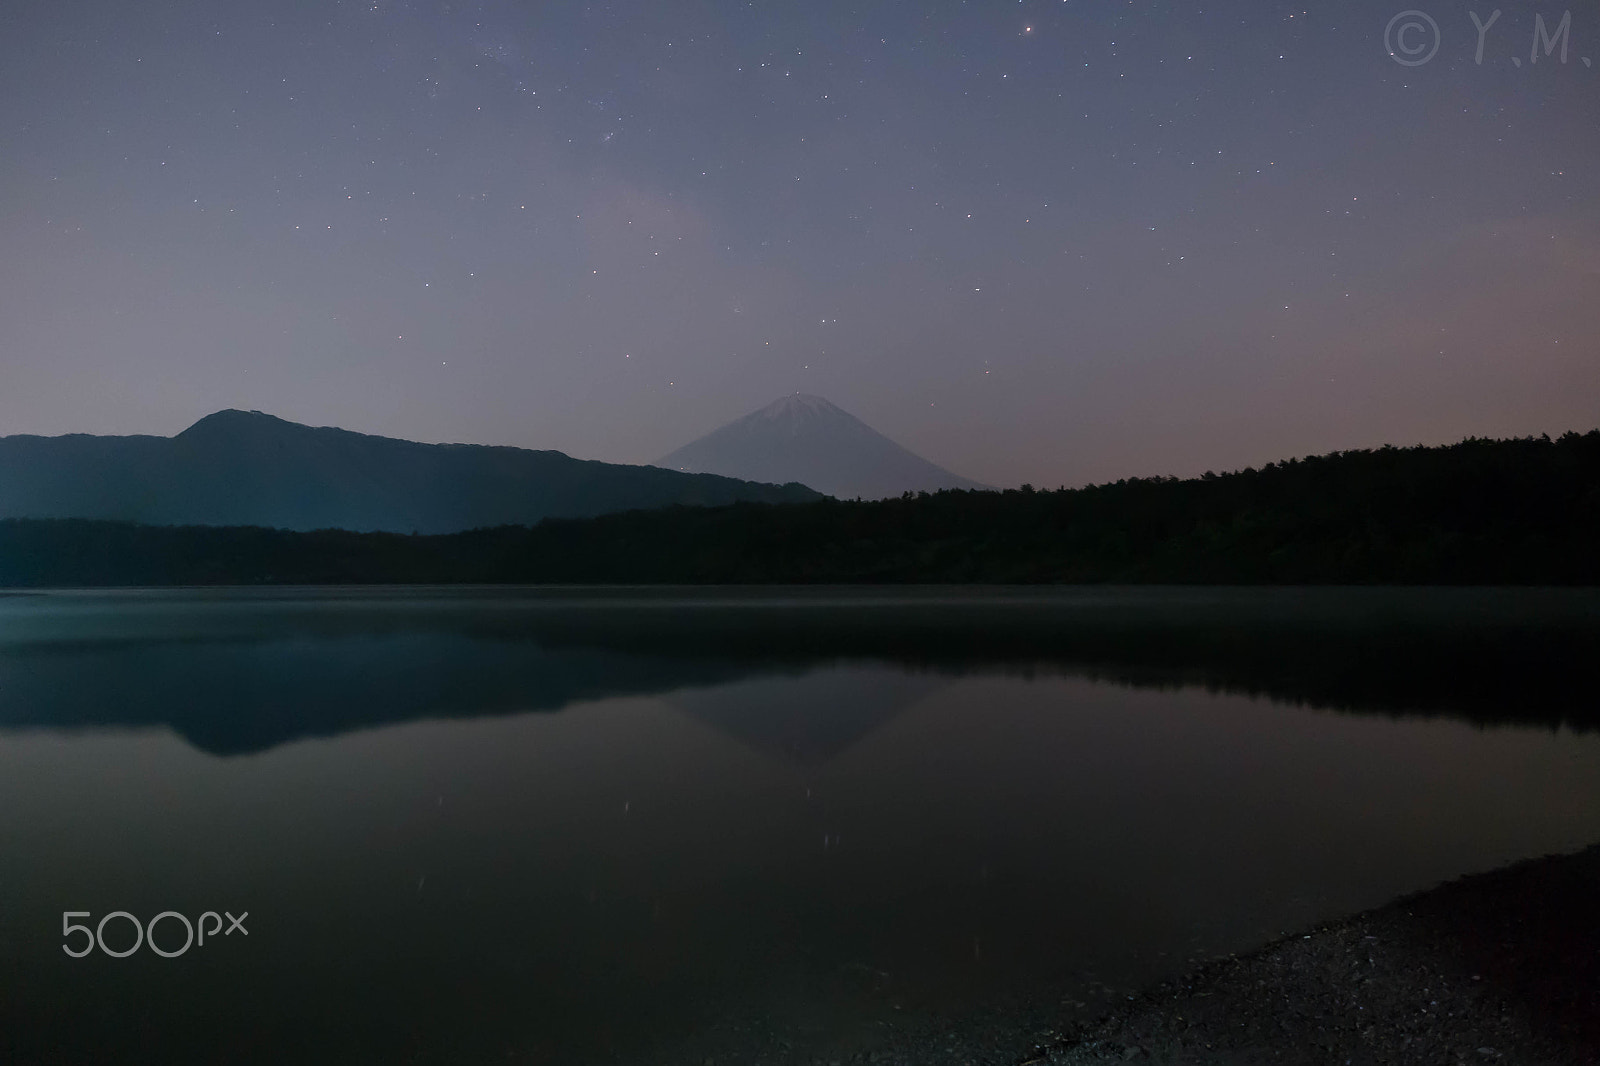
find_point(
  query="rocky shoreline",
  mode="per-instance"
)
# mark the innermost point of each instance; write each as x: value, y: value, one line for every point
x: 1502, y: 967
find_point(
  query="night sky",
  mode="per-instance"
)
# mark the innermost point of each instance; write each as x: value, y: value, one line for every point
x: 1039, y: 241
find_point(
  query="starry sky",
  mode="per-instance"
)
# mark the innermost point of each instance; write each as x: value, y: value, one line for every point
x: 1055, y: 241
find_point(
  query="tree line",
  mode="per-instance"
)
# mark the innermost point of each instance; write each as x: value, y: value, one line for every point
x: 1523, y: 511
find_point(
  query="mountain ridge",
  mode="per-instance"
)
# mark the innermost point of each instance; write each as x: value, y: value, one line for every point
x: 1510, y: 512
x: 236, y: 467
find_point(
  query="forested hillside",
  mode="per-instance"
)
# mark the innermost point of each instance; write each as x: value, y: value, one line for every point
x: 1479, y: 512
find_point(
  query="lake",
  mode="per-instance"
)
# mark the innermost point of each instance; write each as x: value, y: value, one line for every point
x: 735, y: 825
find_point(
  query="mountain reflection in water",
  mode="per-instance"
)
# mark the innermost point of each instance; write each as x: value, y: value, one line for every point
x: 244, y: 671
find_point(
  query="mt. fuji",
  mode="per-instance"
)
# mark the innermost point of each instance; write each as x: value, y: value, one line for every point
x: 809, y: 440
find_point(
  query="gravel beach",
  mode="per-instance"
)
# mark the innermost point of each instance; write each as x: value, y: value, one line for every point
x: 1502, y: 967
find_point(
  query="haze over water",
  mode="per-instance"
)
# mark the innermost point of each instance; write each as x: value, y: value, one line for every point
x: 621, y: 826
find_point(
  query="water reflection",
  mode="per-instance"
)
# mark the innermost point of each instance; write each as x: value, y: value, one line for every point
x: 243, y: 671
x: 767, y: 827
x: 805, y: 719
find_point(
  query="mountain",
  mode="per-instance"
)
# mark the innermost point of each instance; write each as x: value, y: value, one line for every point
x: 1479, y: 512
x: 809, y: 440
x: 248, y: 468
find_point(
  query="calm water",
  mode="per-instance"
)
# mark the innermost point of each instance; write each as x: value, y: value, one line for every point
x: 620, y: 826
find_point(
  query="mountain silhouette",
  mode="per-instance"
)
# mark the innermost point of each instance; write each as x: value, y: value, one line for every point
x: 249, y: 468
x: 809, y: 440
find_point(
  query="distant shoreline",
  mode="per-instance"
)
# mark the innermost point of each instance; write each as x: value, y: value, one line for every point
x: 1513, y: 512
